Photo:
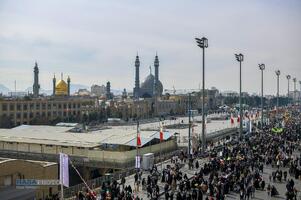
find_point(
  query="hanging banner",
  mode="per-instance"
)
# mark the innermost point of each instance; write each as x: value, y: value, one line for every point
x: 64, y: 169
x: 137, y: 163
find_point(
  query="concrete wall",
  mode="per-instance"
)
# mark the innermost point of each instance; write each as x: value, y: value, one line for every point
x: 93, y: 155
x: 22, y: 169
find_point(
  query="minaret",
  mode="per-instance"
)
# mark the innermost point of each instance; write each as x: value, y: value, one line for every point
x: 54, y: 84
x: 108, y: 92
x: 156, y: 64
x: 137, y: 81
x: 68, y: 82
x: 124, y: 94
x: 36, y: 85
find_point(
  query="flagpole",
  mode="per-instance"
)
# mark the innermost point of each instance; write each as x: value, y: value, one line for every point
x: 62, y: 191
x: 137, y: 145
x: 160, y: 144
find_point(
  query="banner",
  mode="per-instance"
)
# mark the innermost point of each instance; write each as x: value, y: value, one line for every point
x: 137, y: 163
x: 64, y: 169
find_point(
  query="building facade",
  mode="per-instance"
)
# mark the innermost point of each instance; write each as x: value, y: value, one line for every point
x: 44, y: 110
x: 98, y: 90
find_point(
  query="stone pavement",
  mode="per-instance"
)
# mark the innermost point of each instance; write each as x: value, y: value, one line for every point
x: 259, y: 195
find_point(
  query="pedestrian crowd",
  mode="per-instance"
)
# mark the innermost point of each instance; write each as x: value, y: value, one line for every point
x: 232, y: 169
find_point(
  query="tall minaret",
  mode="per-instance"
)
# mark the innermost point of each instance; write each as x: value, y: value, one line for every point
x: 108, y: 90
x: 137, y: 81
x: 156, y: 64
x: 36, y: 85
x: 68, y: 82
x: 54, y: 84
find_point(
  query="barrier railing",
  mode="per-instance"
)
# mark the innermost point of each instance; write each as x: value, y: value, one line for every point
x: 97, y: 182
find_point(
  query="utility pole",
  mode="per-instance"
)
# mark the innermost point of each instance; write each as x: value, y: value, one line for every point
x: 277, y: 104
x: 240, y: 58
x: 288, y: 88
x: 261, y: 67
x: 203, y: 43
x: 189, y: 124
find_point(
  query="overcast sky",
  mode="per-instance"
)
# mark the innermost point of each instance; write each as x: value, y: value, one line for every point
x: 96, y: 41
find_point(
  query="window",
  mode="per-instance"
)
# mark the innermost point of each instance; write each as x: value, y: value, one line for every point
x: 49, y: 106
x: 4, y: 107
x: 24, y: 115
x: 12, y: 107
x: 44, y: 106
x: 18, y: 107
x: 25, y: 107
x: 18, y: 115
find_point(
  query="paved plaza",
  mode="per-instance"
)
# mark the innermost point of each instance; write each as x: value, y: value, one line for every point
x: 259, y: 194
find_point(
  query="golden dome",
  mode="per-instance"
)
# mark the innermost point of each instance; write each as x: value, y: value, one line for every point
x: 61, y: 88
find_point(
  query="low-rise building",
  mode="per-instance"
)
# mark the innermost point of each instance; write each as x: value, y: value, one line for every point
x: 13, y: 170
x: 45, y: 109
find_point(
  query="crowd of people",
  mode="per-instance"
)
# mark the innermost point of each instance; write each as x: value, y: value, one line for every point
x: 232, y: 170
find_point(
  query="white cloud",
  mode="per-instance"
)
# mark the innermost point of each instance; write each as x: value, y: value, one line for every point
x: 96, y: 41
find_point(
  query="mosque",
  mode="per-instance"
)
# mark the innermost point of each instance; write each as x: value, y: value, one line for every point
x: 152, y: 86
x: 61, y: 88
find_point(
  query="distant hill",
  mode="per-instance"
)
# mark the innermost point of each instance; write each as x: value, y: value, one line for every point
x: 74, y: 88
x: 4, y: 90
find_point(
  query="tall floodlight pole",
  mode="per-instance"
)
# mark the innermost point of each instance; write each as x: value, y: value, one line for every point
x: 300, y: 94
x: 189, y: 124
x: 288, y: 77
x: 240, y: 58
x: 294, y: 98
x: 277, y: 104
x: 203, y: 43
x: 261, y: 67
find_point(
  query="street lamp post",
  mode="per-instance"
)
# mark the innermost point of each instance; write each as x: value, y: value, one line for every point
x: 288, y: 77
x: 203, y: 43
x: 300, y: 94
x: 240, y: 58
x: 261, y: 67
x: 277, y: 104
x: 294, y: 97
x: 189, y: 124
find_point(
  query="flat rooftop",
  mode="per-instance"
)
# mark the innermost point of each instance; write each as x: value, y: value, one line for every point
x: 41, y: 163
x: 114, y: 135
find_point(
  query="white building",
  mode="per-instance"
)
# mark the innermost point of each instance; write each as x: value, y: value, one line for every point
x: 98, y: 90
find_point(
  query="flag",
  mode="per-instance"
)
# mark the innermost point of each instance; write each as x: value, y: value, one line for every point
x: 232, y: 120
x: 138, y: 138
x: 161, y: 134
x: 64, y: 169
x: 238, y: 119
